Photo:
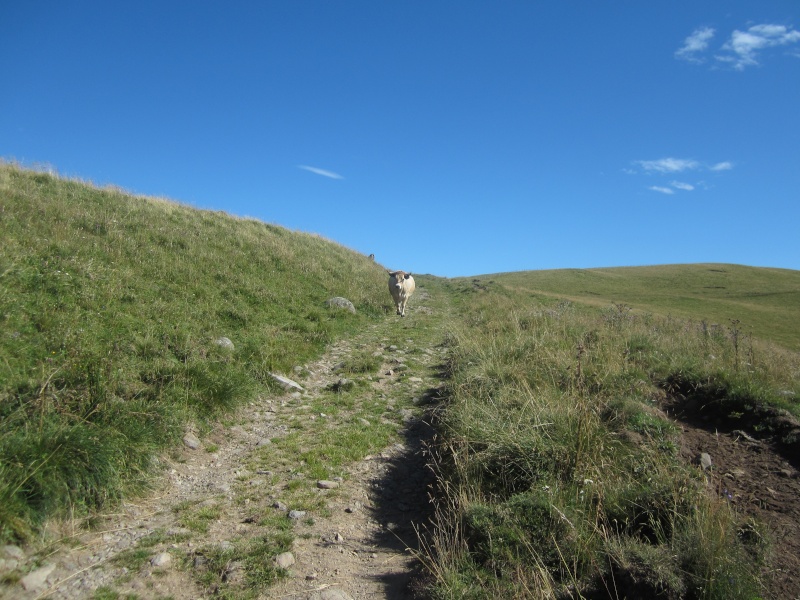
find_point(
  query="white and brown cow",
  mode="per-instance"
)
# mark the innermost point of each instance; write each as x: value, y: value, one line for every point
x: 401, y: 286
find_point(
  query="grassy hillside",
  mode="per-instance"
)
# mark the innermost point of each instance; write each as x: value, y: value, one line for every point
x: 560, y: 477
x: 110, y: 310
x: 765, y: 301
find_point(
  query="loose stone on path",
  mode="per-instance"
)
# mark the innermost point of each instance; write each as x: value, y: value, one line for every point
x: 285, y: 560
x: 36, y: 580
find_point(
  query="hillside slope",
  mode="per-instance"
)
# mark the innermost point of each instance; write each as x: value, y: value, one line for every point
x: 112, y: 314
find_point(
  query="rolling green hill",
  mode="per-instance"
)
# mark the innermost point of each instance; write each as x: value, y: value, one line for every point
x: 767, y: 301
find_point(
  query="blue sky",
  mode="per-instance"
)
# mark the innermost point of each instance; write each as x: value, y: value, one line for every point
x: 453, y: 138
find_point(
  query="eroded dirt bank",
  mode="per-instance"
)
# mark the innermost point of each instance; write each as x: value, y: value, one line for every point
x: 758, y: 475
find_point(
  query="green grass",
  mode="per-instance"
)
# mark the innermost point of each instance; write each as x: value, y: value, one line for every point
x: 110, y: 308
x: 766, y: 301
x: 245, y: 568
x: 557, y: 473
x: 542, y: 486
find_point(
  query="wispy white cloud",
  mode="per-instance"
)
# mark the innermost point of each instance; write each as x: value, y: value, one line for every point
x: 672, y: 166
x: 743, y: 48
x: 322, y: 172
x: 680, y: 185
x: 722, y: 166
x: 676, y: 165
x: 695, y: 43
x: 668, y: 165
x: 663, y: 190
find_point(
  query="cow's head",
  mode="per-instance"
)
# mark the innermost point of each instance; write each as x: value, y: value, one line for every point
x: 399, y: 277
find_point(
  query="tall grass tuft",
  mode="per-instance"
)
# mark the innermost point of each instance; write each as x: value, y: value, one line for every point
x: 111, y: 311
x: 558, y: 474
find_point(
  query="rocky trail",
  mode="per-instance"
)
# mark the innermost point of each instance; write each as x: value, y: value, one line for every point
x: 318, y: 492
x: 202, y: 532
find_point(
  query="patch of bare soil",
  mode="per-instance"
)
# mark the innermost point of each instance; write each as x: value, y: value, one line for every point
x: 757, y: 474
x: 364, y: 549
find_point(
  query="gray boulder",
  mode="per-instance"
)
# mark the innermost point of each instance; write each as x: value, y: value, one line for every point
x: 339, y: 302
x: 286, y: 383
x: 224, y: 342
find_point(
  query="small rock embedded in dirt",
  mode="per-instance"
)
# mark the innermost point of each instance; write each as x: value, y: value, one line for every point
x: 327, y: 485
x: 161, y: 560
x: 285, y: 560
x: 37, y: 579
x: 705, y: 460
x: 297, y: 514
x: 286, y: 383
x: 330, y: 594
x: 191, y: 441
x: 280, y: 506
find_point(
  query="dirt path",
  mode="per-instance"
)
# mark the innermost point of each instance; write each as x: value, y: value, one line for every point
x: 225, y: 496
x: 201, y: 533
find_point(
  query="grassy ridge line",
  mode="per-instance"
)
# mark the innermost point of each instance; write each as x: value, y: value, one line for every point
x: 763, y: 299
x: 110, y: 308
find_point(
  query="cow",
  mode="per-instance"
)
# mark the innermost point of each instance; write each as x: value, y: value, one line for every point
x: 401, y: 286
